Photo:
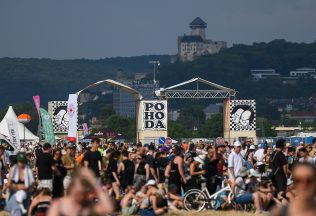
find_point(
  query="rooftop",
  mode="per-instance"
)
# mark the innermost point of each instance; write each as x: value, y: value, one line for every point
x: 198, y: 22
x: 303, y: 114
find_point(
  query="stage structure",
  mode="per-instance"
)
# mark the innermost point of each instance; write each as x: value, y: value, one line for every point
x: 239, y: 117
x: 151, y: 116
x: 214, y: 91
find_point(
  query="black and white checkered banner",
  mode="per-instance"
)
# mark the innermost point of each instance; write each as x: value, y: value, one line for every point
x: 242, y: 115
x: 59, y: 116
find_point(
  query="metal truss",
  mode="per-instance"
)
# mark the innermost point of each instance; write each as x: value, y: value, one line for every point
x: 218, y: 92
x: 197, y: 94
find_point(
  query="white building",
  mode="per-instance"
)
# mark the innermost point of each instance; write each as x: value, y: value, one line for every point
x: 303, y: 73
x: 195, y: 44
x: 260, y: 74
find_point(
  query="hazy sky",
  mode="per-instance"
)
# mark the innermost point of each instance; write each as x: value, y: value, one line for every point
x: 67, y: 29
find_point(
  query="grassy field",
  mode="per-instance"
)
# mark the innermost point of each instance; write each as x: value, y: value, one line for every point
x: 212, y: 213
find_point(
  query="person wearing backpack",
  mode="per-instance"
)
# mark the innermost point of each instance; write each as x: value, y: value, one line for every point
x: 279, y: 165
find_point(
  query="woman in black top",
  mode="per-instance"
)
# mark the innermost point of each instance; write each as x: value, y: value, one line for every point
x: 162, y: 162
x: 58, y: 187
x: 175, y: 170
x: 142, y: 171
x: 112, y: 173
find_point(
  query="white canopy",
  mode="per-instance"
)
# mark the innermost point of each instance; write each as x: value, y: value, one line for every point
x: 29, y: 136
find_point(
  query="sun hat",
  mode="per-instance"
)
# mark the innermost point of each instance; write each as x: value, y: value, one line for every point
x: 151, y: 182
x: 200, y: 159
x: 237, y: 144
x: 243, y: 172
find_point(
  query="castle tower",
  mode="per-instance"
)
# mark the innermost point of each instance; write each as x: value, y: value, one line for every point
x: 198, y: 27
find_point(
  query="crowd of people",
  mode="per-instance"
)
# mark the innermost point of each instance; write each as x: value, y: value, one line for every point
x: 148, y: 179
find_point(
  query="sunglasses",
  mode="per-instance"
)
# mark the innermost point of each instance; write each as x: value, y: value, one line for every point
x: 307, y: 181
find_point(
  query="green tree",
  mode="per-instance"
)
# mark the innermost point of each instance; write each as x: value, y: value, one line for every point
x: 122, y: 125
x: 177, y: 130
x: 265, y: 128
x: 192, y: 117
x: 214, y: 126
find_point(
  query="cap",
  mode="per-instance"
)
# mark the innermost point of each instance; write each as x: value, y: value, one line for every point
x: 151, y: 182
x: 252, y: 147
x: 20, y: 156
x: 242, y: 172
x: 237, y: 143
x: 200, y: 159
x: 146, y: 145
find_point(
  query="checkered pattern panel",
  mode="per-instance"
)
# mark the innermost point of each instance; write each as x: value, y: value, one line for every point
x: 242, y: 115
x: 59, y: 116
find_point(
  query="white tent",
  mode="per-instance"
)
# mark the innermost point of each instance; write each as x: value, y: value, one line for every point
x: 29, y: 136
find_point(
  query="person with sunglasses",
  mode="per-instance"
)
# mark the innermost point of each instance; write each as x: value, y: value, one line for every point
x: 304, y: 201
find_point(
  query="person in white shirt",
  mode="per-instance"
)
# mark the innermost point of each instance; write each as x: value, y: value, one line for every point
x: 304, y: 157
x: 259, y: 157
x: 235, y: 161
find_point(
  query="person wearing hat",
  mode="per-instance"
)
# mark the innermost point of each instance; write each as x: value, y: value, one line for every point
x: 242, y: 196
x: 235, y: 161
x: 249, y: 160
x: 196, y: 172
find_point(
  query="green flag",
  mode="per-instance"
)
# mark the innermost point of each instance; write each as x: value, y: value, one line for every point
x: 47, y: 127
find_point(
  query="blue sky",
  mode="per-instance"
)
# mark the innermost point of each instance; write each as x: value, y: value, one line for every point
x: 108, y: 28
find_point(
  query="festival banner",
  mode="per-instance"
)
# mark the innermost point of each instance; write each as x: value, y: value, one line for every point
x: 13, y: 132
x: 154, y: 115
x: 85, y: 129
x: 242, y: 115
x: 72, y: 109
x: 37, y: 102
x: 47, y: 126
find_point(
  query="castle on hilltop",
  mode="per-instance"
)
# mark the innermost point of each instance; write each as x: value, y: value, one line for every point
x: 194, y: 45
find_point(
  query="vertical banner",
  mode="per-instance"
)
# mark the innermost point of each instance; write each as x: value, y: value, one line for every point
x: 242, y: 115
x: 47, y: 126
x: 154, y: 115
x: 85, y: 129
x: 72, y: 111
x: 13, y: 132
x: 37, y: 102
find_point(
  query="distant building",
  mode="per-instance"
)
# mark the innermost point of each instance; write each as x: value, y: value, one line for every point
x: 194, y: 45
x: 260, y: 74
x: 124, y: 103
x: 303, y: 73
x: 287, y: 131
x: 307, y: 117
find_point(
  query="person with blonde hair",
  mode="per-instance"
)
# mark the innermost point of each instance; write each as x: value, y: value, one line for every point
x: 85, y: 197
